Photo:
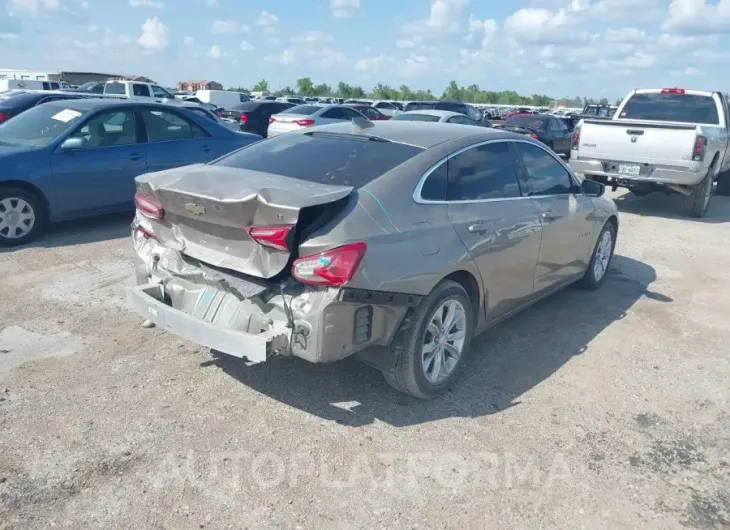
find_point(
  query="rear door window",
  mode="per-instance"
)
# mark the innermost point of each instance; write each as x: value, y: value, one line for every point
x: 683, y: 108
x: 164, y: 126
x: 334, y: 114
x: 483, y: 172
x: 140, y: 90
x: 336, y: 159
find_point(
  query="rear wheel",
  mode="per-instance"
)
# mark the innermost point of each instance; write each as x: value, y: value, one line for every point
x: 723, y: 184
x: 699, y: 200
x: 431, y: 350
x: 22, y: 217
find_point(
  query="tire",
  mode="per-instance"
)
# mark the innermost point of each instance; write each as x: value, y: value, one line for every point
x: 32, y: 214
x: 595, y: 276
x: 409, y: 375
x: 723, y: 184
x: 699, y: 200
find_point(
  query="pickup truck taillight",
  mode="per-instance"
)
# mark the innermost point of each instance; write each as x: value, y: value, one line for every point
x: 576, y: 138
x: 700, y: 148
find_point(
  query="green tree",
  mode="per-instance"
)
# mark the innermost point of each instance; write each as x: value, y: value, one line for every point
x: 382, y: 91
x: 323, y: 89
x: 261, y: 86
x: 406, y: 93
x: 305, y: 87
x: 286, y: 91
x: 603, y: 101
x: 453, y: 92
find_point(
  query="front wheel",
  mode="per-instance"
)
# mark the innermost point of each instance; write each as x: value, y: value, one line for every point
x: 595, y: 275
x: 431, y: 351
x: 21, y: 217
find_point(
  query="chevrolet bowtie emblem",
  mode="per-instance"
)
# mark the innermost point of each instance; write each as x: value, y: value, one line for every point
x: 195, y: 208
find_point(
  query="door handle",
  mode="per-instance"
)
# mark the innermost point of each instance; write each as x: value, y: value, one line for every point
x: 547, y: 216
x: 478, y: 228
x: 206, y: 148
x: 135, y: 156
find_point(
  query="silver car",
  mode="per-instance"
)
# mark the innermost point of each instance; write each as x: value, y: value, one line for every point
x: 393, y: 241
x: 303, y: 116
x: 436, y: 116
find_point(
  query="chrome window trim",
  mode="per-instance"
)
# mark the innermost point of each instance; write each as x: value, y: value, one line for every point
x: 420, y: 200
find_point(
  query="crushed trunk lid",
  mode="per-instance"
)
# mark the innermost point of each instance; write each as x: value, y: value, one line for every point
x: 207, y: 210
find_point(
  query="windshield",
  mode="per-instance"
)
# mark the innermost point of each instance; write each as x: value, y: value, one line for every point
x: 38, y: 126
x: 526, y: 121
x: 304, y: 110
x: 415, y: 117
x: 683, y: 108
x: 336, y: 159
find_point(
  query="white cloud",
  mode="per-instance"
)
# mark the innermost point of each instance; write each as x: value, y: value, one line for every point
x: 72, y: 9
x: 535, y: 24
x: 228, y: 27
x: 697, y: 16
x: 374, y: 64
x: 285, y: 57
x: 268, y: 22
x: 312, y: 38
x: 215, y: 52
x: 344, y: 8
x: 146, y: 3
x: 626, y: 35
x: 154, y: 36
x: 246, y: 46
x: 447, y: 18
x: 314, y: 47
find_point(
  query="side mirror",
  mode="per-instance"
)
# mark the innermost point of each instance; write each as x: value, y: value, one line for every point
x: 591, y: 188
x: 73, y: 144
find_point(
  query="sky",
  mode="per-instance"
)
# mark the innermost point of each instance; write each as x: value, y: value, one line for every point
x: 594, y: 48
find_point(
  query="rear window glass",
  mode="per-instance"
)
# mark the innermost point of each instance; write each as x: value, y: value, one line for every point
x: 417, y: 105
x: 527, y: 121
x: 114, y: 88
x: 416, y: 117
x: 304, y: 110
x: 330, y: 159
x: 684, y: 108
x: 452, y: 107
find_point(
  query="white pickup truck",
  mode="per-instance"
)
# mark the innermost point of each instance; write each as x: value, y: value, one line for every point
x: 138, y: 90
x: 669, y: 139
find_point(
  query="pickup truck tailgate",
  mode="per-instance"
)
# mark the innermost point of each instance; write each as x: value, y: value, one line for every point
x: 665, y: 144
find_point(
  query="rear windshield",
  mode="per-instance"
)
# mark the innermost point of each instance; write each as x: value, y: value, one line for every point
x: 528, y: 121
x: 114, y: 88
x: 453, y: 107
x: 340, y: 160
x: 417, y: 105
x: 684, y: 108
x: 416, y: 117
x: 304, y: 110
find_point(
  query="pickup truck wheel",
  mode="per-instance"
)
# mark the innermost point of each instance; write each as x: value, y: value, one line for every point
x: 595, y: 275
x: 723, y: 184
x: 430, y: 351
x: 699, y: 200
x: 22, y: 217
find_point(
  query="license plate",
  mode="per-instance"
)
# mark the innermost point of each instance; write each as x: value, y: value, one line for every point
x: 629, y: 169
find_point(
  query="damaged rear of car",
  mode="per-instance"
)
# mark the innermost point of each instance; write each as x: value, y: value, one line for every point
x: 248, y: 255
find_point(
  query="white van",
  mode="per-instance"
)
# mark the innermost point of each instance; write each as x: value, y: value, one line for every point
x: 221, y: 98
x: 28, y: 84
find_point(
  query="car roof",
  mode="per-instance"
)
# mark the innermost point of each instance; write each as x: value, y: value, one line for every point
x: 432, y: 112
x: 417, y: 133
x: 95, y: 103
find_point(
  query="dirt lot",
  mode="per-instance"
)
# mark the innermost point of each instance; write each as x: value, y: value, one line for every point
x: 605, y: 409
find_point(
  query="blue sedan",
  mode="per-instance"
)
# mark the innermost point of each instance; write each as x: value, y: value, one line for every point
x: 78, y: 158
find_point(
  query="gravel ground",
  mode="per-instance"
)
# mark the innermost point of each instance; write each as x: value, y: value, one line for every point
x: 605, y: 409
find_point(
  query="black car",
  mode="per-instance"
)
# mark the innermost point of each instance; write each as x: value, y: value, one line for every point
x: 253, y: 116
x: 22, y: 101
x: 548, y: 129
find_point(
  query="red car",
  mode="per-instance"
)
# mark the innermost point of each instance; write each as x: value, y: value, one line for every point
x: 370, y: 113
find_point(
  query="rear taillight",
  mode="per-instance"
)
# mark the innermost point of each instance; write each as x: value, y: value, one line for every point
x: 275, y: 237
x: 304, y: 123
x: 271, y: 120
x: 244, y: 117
x: 4, y: 117
x: 672, y: 91
x: 700, y: 148
x: 148, y: 206
x: 576, y: 139
x: 333, y: 267
x: 533, y: 136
